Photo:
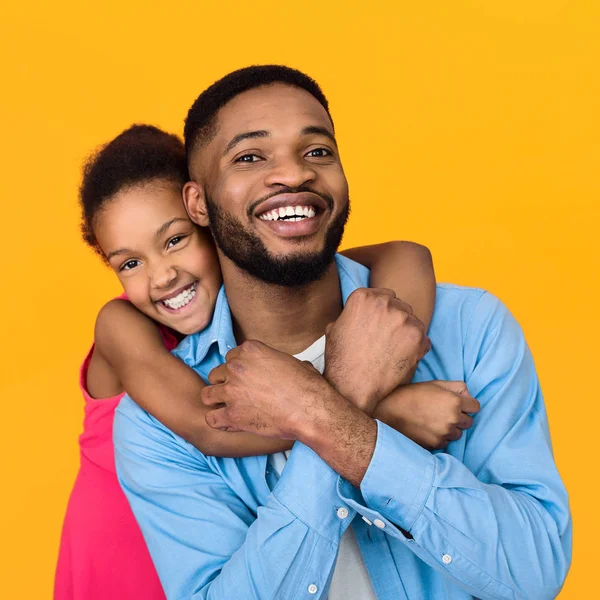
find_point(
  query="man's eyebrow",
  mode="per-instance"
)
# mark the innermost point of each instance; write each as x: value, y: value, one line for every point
x: 247, y: 135
x: 166, y: 226
x: 318, y: 130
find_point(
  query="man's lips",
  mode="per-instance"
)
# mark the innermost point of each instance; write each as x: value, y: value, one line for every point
x: 293, y: 199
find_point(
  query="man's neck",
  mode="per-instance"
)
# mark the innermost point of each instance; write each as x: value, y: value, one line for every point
x: 288, y: 319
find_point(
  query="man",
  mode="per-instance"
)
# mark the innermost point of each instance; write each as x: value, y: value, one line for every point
x: 487, y: 518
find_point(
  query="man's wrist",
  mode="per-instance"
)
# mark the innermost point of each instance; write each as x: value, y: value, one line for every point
x: 361, y: 396
x: 314, y: 422
x: 342, y: 435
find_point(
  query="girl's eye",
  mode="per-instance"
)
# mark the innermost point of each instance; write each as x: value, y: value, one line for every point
x: 175, y: 240
x: 319, y: 153
x: 130, y: 264
x: 248, y: 158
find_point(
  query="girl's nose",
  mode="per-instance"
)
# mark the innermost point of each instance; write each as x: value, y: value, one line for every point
x: 163, y: 276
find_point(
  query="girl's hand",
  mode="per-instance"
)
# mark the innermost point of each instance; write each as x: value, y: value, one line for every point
x: 432, y: 413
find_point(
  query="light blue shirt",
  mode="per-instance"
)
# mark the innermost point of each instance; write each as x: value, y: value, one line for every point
x: 489, y: 516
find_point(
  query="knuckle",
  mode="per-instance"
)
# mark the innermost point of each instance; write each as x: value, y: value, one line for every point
x: 236, y: 366
x: 414, y: 334
x: 405, y: 307
x: 251, y: 346
x: 381, y: 301
x: 448, y: 429
x: 402, y: 316
x: 358, y: 295
x: 426, y: 344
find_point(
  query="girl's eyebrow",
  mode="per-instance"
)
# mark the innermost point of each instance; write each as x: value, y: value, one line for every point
x: 117, y: 252
x: 166, y: 226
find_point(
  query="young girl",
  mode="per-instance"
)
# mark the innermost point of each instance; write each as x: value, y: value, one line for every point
x: 134, y: 217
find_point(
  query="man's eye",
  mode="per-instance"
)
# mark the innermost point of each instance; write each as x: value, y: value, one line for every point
x: 319, y: 153
x: 248, y: 158
x: 130, y: 264
x: 175, y: 240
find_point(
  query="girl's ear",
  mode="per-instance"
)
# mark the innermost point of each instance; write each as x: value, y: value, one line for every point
x: 195, y: 203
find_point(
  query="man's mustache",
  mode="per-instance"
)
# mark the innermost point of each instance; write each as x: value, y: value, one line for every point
x: 292, y: 190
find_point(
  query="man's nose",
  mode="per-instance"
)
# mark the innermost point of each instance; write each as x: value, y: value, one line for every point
x: 290, y: 171
x: 163, y: 275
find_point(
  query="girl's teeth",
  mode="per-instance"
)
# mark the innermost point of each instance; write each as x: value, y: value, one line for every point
x: 181, y: 299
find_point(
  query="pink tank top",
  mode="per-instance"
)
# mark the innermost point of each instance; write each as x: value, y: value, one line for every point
x: 102, y: 552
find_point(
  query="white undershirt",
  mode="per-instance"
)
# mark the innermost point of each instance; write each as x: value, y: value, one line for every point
x: 351, y: 579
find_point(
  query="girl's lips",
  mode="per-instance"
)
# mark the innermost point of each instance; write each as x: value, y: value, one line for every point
x: 185, y: 307
x: 177, y: 292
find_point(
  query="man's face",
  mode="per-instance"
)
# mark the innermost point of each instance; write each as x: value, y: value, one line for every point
x: 275, y: 190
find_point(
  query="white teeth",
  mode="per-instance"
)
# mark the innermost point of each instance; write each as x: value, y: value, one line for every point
x: 181, y: 299
x: 289, y: 213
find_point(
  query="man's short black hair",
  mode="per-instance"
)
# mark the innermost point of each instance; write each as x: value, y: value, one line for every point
x: 138, y: 155
x: 201, y: 121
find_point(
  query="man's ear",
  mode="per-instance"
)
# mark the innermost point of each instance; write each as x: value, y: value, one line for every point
x: 195, y: 203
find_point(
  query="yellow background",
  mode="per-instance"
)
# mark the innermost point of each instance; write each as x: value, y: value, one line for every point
x: 470, y: 126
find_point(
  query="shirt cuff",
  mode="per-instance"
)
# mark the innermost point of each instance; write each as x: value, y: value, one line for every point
x: 308, y: 488
x: 398, y: 481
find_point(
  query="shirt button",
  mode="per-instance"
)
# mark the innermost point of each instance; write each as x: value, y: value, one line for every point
x: 446, y: 559
x: 312, y: 589
x: 342, y: 513
x: 379, y: 523
x: 367, y: 521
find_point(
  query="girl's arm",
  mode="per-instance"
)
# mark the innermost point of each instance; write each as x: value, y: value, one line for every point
x: 406, y: 268
x: 130, y: 353
x: 131, y: 344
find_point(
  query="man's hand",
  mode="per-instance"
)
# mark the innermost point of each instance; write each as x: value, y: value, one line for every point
x: 432, y: 414
x: 373, y: 347
x: 261, y: 390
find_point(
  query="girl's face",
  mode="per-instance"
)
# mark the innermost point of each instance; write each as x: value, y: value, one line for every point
x: 167, y: 265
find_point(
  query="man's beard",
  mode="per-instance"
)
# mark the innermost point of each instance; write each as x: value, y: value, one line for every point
x: 246, y: 250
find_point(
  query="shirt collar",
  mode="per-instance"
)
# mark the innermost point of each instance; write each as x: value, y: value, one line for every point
x: 194, y: 348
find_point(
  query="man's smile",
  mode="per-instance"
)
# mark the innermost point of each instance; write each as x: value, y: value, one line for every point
x: 289, y: 213
x: 296, y: 214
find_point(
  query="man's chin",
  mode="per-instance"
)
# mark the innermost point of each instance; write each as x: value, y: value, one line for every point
x: 290, y: 271
x: 284, y: 261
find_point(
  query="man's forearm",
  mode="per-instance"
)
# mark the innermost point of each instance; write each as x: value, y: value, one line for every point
x: 343, y: 436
